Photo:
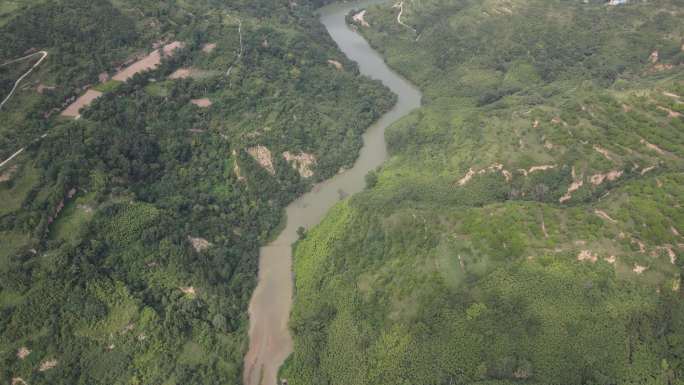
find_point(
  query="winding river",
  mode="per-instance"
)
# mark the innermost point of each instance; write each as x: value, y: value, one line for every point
x: 269, y: 309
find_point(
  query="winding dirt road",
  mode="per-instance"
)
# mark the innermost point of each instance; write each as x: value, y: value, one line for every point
x: 16, y: 84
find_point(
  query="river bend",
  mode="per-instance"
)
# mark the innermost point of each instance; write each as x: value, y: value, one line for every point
x: 269, y: 308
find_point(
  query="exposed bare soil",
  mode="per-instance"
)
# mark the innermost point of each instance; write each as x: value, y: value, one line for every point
x: 302, y: 162
x: 263, y: 156
x: 149, y: 62
x: 83, y: 101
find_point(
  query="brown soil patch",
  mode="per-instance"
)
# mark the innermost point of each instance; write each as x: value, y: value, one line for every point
x: 360, y: 18
x: 200, y: 244
x: 149, y: 62
x: 597, y: 179
x: 181, y: 73
x: 603, y: 152
x: 203, y: 102
x: 7, y: 175
x: 535, y: 124
x: 18, y: 381
x: 263, y: 156
x: 639, y: 269
x: 84, y: 100
x: 184, y: 73
x: 336, y: 64
x: 611, y: 259
x: 496, y: 167
x: 604, y: 215
x: 23, y: 352
x: 671, y: 95
x: 466, y: 178
x: 671, y: 254
x: 540, y: 168
x: 190, y: 290
x: 586, y: 255
x: 47, y: 365
x: 302, y: 162
x: 642, y: 246
x: 647, y: 169
x: 574, y: 186
x: 670, y: 113
x: 507, y: 174
x: 209, y: 47
x: 653, y: 58
x: 674, y: 231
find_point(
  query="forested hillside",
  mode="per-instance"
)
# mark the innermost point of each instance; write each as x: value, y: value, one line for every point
x: 528, y: 225
x: 129, y: 237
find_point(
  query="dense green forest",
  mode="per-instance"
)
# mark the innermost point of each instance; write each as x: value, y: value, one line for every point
x: 129, y: 237
x: 528, y: 225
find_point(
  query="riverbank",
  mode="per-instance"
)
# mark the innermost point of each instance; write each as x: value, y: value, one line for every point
x: 270, y: 339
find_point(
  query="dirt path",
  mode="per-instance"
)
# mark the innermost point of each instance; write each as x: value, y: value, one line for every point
x: 16, y: 84
x: 242, y: 48
x: 4, y: 162
x: 400, y: 5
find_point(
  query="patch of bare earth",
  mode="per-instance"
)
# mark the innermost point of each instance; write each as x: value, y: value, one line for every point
x: 574, y: 186
x: 671, y: 95
x: 302, y: 162
x: 652, y: 146
x: 47, y: 365
x: 586, y: 255
x: 84, y: 100
x: 189, y: 290
x: 360, y: 18
x: 262, y: 155
x: 604, y: 215
x: 7, y: 175
x: 496, y: 167
x: 466, y: 178
x: 209, y: 47
x: 203, y: 102
x: 18, y: 381
x: 23, y: 352
x: 180, y: 73
x: 611, y: 259
x: 647, y: 169
x: 642, y: 246
x: 149, y: 62
x: 603, y: 152
x: 199, y: 244
x: 639, y: 269
x: 336, y: 64
x: 670, y: 113
x: 597, y: 179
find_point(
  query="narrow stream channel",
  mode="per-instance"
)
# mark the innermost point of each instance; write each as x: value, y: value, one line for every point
x: 269, y: 308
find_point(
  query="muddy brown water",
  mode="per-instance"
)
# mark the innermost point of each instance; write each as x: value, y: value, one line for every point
x: 269, y: 309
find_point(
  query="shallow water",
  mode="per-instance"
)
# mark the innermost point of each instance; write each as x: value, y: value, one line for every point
x: 269, y: 309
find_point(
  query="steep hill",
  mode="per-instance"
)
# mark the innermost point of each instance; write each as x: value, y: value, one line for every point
x: 528, y: 226
x: 130, y: 236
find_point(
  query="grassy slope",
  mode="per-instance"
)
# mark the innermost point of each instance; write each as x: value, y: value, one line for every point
x: 422, y: 279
